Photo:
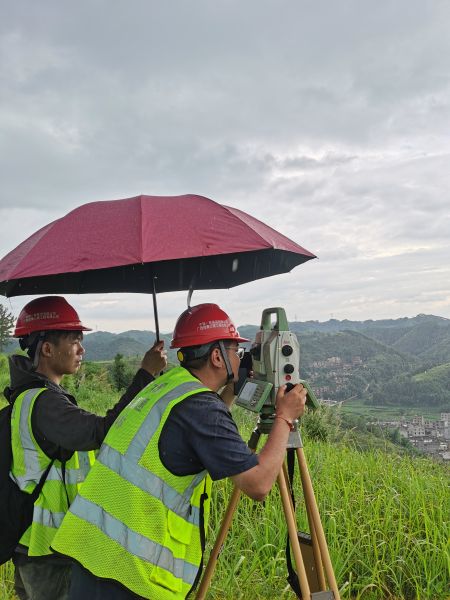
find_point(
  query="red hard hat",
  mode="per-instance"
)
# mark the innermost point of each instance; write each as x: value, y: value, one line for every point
x: 203, y: 324
x: 48, y: 313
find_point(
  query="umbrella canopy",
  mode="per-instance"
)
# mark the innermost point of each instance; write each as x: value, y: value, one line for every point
x: 186, y: 242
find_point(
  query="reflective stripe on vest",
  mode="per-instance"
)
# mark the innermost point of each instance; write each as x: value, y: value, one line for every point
x: 136, y: 544
x: 47, y: 518
x: 148, y: 482
x: 142, y: 522
x: 29, y: 463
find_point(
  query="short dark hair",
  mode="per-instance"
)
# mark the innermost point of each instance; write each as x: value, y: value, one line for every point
x: 52, y: 335
x: 195, y: 357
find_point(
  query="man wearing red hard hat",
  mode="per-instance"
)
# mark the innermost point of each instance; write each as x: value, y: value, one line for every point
x: 137, y: 527
x: 51, y: 434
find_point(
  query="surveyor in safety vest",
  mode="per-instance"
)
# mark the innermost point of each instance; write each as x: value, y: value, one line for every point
x: 137, y: 526
x: 47, y: 425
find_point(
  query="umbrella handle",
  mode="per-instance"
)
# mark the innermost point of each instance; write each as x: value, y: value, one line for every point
x: 155, y: 310
x: 189, y: 297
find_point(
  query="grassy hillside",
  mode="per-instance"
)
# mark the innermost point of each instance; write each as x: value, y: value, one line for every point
x: 440, y: 373
x: 386, y: 520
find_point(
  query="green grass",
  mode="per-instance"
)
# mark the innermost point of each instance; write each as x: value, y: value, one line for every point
x: 386, y: 412
x: 386, y: 517
x: 7, y: 582
x: 4, y: 376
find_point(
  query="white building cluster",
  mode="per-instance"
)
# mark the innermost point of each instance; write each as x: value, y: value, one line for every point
x: 431, y: 437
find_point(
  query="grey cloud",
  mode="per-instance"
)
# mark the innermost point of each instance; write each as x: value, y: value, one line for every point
x: 306, y: 163
x: 326, y: 120
x: 314, y: 91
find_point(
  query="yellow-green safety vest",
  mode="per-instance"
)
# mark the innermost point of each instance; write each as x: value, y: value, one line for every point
x: 29, y: 463
x: 133, y: 520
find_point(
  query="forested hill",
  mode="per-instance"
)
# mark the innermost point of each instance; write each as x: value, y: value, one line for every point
x: 400, y: 361
x: 426, y: 336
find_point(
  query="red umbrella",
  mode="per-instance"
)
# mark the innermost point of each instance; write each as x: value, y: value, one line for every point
x: 186, y: 242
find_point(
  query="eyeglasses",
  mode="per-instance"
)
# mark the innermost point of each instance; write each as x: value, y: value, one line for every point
x: 238, y: 351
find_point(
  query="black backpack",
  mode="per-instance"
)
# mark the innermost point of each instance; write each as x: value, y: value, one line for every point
x: 16, y: 506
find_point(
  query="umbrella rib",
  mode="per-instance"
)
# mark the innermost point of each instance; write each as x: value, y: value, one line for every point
x: 231, y: 209
x: 251, y: 226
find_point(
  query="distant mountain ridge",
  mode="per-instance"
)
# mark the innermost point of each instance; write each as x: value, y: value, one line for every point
x: 394, y: 361
x: 382, y: 361
x: 102, y: 345
x: 427, y: 336
x: 418, y: 336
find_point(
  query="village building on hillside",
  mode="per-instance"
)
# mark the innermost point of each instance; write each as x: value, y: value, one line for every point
x: 430, y: 437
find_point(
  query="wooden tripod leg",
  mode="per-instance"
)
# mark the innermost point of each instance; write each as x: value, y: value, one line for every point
x: 310, y: 500
x: 316, y: 550
x: 293, y: 534
x: 224, y: 528
x: 314, y: 541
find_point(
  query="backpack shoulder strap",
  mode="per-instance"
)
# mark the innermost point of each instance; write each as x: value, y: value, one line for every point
x: 37, y: 490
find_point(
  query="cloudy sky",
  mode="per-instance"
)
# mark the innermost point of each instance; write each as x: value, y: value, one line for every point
x: 328, y: 120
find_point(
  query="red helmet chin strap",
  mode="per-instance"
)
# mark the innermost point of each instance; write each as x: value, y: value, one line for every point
x: 38, y: 350
x: 226, y: 359
x: 33, y: 344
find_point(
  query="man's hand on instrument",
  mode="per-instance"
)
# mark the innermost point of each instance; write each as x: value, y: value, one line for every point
x: 291, y: 405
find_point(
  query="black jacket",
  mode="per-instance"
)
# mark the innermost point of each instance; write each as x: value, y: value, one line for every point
x: 59, y: 425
